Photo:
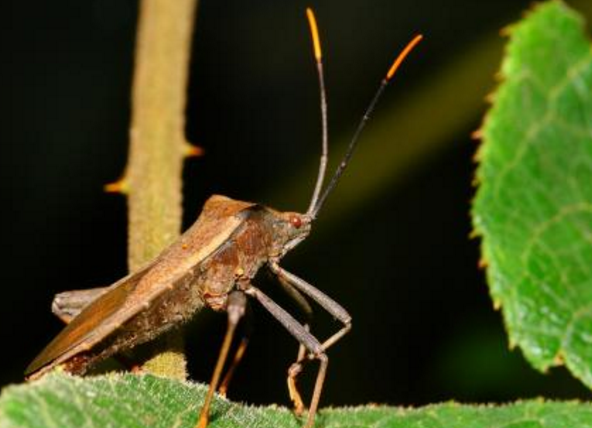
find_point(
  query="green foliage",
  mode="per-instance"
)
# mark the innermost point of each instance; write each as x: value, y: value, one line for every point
x: 139, y: 401
x: 534, y: 204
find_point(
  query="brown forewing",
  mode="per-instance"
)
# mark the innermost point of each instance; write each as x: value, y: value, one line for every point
x: 219, y: 219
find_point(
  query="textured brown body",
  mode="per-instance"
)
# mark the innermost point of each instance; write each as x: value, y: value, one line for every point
x: 225, y: 247
x: 212, y: 264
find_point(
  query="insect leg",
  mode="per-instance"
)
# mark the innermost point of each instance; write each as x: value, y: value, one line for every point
x: 321, y: 298
x: 69, y: 304
x: 326, y: 303
x: 303, y: 336
x: 298, y: 298
x: 247, y: 328
x: 303, y: 305
x: 238, y: 356
x: 308, y: 313
x: 237, y: 303
x: 293, y: 373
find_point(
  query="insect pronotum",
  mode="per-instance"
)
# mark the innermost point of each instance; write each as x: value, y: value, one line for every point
x: 212, y: 264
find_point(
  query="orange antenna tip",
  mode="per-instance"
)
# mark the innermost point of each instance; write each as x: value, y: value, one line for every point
x: 314, y: 32
x: 401, y: 57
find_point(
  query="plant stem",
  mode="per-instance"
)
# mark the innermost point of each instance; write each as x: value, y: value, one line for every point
x: 153, y: 178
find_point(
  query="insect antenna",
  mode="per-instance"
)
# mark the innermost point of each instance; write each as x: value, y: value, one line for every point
x: 318, y: 202
x: 314, y: 32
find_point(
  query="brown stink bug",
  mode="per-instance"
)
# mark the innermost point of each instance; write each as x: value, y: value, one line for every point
x: 212, y: 264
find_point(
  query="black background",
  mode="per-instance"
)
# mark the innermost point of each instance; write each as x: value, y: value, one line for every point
x: 402, y: 263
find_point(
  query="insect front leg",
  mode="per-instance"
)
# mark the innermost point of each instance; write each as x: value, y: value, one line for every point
x: 305, y: 307
x: 303, y: 336
x: 326, y: 303
x: 302, y: 304
x: 298, y: 298
x: 236, y: 307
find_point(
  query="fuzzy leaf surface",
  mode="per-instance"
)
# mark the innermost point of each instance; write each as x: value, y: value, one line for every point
x: 133, y: 401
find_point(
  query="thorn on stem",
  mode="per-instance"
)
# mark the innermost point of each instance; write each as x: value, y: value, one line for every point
x: 191, y: 151
x: 119, y: 186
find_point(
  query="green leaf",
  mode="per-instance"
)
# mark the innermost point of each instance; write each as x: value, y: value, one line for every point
x: 65, y: 401
x: 534, y: 204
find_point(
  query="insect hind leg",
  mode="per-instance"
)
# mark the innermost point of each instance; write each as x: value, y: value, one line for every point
x: 235, y: 309
x: 247, y: 329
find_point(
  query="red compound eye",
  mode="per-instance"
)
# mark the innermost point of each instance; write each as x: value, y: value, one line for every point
x: 296, y: 221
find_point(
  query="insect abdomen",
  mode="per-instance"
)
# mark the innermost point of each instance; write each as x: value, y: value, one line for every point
x: 170, y: 309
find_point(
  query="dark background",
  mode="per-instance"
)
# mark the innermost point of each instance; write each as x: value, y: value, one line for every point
x: 401, y: 261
